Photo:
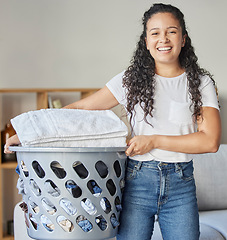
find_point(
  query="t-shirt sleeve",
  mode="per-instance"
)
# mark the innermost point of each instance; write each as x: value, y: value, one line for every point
x: 208, y: 92
x: 116, y: 88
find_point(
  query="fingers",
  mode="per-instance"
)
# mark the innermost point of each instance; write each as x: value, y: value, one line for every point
x: 14, y: 140
x: 6, y: 149
x: 139, y: 145
x: 132, y: 149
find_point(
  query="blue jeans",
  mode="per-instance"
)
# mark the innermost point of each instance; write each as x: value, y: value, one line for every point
x: 166, y: 190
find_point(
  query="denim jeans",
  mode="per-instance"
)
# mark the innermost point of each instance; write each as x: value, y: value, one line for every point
x: 165, y: 190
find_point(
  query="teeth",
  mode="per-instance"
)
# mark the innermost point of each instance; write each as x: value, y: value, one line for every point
x: 164, y: 49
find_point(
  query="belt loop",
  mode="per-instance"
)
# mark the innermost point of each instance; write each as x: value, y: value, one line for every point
x: 138, y: 165
x: 177, y: 167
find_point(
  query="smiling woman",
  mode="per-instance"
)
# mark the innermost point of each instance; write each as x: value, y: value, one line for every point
x: 173, y: 110
x: 164, y: 41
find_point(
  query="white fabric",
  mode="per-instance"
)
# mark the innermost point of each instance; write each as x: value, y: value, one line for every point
x: 68, y: 206
x: 70, y: 128
x: 88, y: 206
x: 171, y: 114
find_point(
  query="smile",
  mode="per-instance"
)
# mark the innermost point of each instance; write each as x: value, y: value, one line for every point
x: 162, y: 49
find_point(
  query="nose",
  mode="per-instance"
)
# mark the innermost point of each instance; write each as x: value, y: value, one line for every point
x: 163, y: 38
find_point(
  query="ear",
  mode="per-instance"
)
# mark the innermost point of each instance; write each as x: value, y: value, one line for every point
x: 184, y: 40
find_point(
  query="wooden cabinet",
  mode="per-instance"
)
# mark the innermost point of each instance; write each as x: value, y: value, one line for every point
x: 41, y: 97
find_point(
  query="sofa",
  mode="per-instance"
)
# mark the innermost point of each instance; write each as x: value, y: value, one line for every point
x: 210, y: 172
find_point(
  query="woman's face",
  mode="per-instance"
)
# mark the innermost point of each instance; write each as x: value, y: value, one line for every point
x: 164, y: 38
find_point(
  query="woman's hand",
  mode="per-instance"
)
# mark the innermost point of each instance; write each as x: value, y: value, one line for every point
x: 14, y: 140
x: 140, y: 145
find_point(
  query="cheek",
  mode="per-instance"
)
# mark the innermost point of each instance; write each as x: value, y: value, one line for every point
x: 151, y: 45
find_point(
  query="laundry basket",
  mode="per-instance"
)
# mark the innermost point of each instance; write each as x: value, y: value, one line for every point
x: 72, y: 193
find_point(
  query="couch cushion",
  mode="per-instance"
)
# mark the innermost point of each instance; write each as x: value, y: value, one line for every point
x: 209, y: 233
x: 211, y: 178
x: 206, y: 233
x: 216, y: 220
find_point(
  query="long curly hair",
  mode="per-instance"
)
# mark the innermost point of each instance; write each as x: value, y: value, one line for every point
x: 139, y: 77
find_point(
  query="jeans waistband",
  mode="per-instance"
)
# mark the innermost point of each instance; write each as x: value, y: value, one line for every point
x: 158, y: 164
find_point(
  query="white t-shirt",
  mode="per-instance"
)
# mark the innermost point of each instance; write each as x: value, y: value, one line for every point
x: 171, y: 113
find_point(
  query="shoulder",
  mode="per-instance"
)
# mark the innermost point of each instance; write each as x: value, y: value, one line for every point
x: 119, y: 76
x: 116, y: 80
x: 206, y: 81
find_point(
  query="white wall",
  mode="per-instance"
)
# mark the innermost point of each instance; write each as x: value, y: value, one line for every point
x: 84, y: 43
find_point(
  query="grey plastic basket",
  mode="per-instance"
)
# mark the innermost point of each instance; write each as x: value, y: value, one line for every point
x: 89, y: 180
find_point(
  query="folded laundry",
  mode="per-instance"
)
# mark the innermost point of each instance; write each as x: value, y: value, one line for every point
x: 58, y: 170
x: 84, y: 223
x: 35, y: 188
x: 105, y: 204
x: 65, y: 223
x: 47, y: 223
x: 48, y: 205
x: 101, y: 222
x: 73, y: 188
x: 51, y: 188
x: 68, y: 206
x: 94, y: 188
x: 67, y: 127
x: 33, y: 205
x: 88, y: 206
x: 113, y: 219
x: 20, y: 186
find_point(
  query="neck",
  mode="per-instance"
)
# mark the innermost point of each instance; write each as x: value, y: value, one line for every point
x: 169, y: 71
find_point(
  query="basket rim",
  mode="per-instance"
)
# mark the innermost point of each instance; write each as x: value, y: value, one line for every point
x: 66, y: 149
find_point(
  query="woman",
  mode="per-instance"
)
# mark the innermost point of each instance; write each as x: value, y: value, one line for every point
x: 173, y: 110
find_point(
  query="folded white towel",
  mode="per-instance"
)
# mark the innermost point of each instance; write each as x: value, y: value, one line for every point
x: 70, y: 127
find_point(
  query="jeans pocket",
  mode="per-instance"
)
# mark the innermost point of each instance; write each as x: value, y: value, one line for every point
x: 131, y: 169
x: 185, y: 171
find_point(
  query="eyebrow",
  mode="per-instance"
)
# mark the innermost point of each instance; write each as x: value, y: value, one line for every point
x: 152, y: 29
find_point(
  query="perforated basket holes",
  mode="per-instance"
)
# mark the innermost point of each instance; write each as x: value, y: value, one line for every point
x: 88, y: 206
x: 24, y: 168
x: 102, y: 169
x: 114, y: 221
x: 68, y: 206
x: 34, y: 187
x: 73, y: 188
x: 33, y: 222
x: 51, y: 188
x: 117, y: 168
x: 65, y: 224
x: 38, y: 169
x: 80, y: 169
x: 58, y: 170
x: 33, y: 205
x: 46, y: 222
x: 85, y: 224
x: 105, y: 205
x: 94, y: 188
x: 101, y: 222
x: 48, y: 206
x: 117, y: 203
x: 111, y: 187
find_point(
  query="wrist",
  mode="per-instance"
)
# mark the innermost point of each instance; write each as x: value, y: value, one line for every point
x: 155, y: 141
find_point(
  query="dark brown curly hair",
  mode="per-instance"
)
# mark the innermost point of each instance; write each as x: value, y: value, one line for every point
x: 139, y: 77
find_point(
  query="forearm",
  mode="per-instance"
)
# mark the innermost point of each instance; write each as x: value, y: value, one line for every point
x: 101, y: 100
x: 76, y: 105
x: 193, y: 143
x: 207, y: 139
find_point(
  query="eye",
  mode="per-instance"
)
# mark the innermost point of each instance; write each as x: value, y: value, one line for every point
x: 172, y: 32
x: 154, y: 34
